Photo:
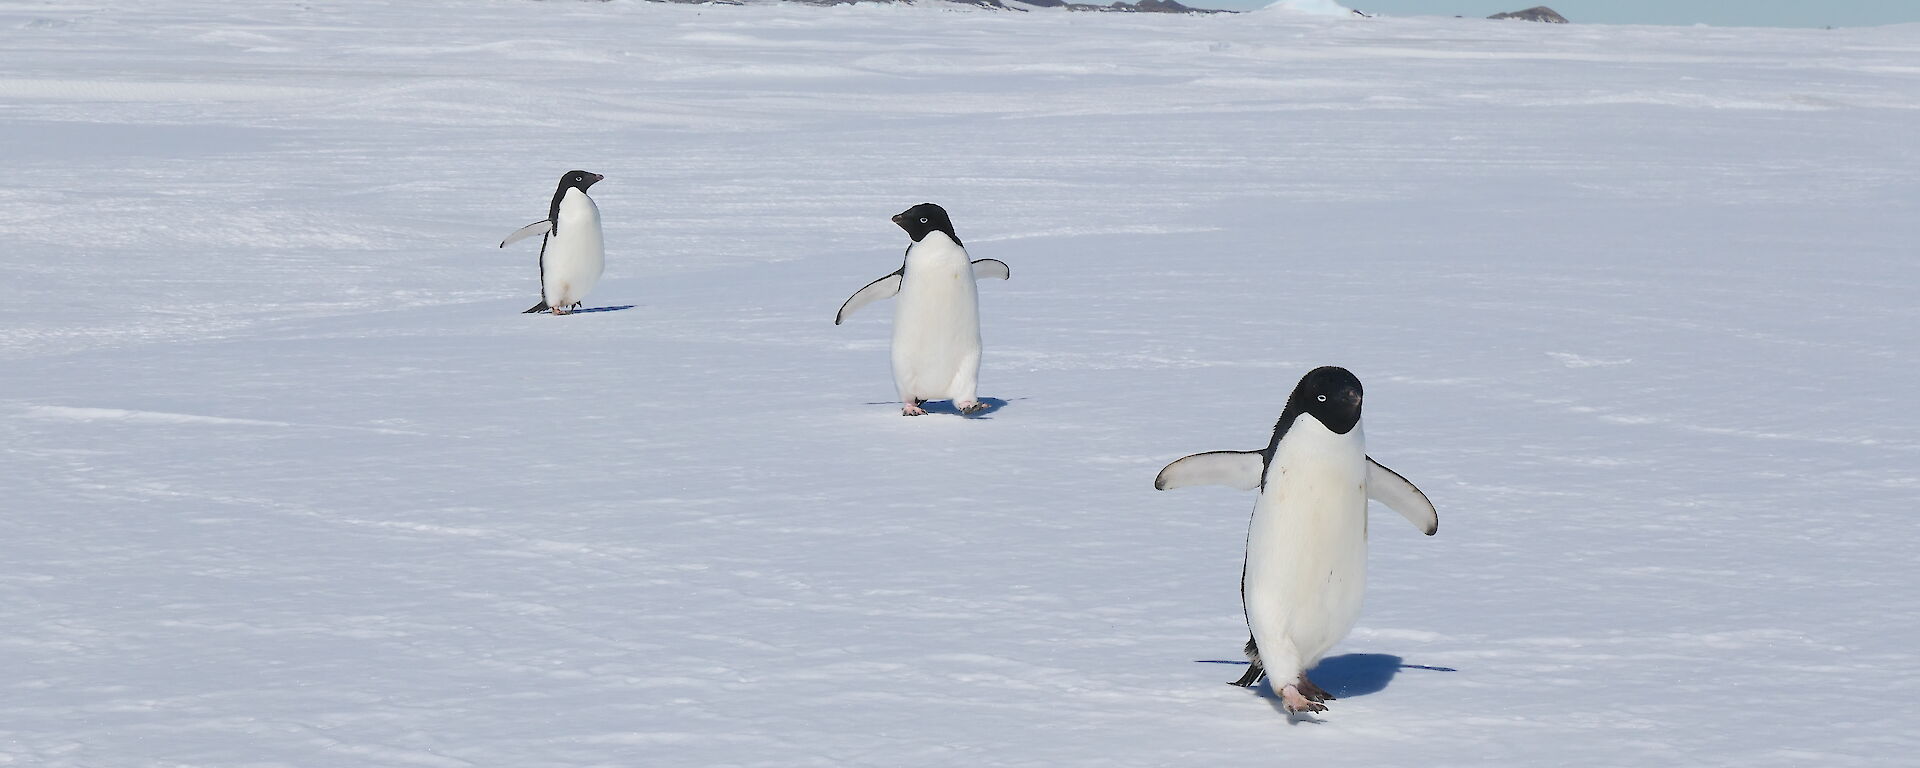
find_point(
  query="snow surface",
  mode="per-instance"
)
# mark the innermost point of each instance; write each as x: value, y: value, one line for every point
x: 290, y: 482
x: 1318, y: 7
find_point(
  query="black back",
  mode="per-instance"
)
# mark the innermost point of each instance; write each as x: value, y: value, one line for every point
x: 570, y: 180
x: 926, y: 218
x: 1329, y: 393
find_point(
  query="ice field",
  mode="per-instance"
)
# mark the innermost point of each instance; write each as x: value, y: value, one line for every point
x: 288, y: 481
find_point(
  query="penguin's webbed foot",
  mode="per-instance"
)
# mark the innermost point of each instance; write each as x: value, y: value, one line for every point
x: 914, y: 409
x: 970, y: 408
x: 1297, y: 702
x: 1311, y: 691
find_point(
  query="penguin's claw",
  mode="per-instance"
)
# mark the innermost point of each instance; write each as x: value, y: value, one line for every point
x: 913, y: 410
x: 974, y: 407
x: 1295, y: 702
x: 1311, y: 691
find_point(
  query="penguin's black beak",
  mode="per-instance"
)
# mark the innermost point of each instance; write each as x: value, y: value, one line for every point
x: 597, y: 178
x: 899, y: 218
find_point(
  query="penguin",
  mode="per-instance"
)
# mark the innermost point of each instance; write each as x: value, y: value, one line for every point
x: 1305, y: 568
x: 572, y: 256
x: 936, y: 322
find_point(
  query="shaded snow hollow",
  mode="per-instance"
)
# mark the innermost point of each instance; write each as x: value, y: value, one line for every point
x: 289, y: 482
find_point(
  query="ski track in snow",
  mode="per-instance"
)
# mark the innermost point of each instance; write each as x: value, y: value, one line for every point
x: 290, y: 483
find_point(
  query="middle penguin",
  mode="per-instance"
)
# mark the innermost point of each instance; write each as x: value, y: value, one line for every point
x: 936, y: 323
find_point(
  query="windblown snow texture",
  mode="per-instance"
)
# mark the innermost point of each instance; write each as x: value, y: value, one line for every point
x: 288, y: 481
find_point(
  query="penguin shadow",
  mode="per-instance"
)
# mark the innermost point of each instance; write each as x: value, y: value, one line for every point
x: 1346, y: 676
x: 602, y: 309
x: 945, y: 407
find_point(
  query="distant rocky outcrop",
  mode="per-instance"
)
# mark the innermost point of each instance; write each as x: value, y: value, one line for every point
x: 1141, y: 6
x: 1536, y: 13
x: 1145, y: 6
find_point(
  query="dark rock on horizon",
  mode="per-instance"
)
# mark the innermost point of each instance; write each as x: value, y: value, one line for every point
x: 1144, y: 6
x: 1537, y: 13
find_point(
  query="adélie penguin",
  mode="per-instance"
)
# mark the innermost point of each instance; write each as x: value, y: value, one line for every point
x: 1305, y: 569
x: 572, y: 255
x: 936, y: 322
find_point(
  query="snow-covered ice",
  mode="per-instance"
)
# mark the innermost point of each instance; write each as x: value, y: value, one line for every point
x: 288, y: 480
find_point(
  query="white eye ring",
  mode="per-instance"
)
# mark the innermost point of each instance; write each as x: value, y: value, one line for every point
x: 1321, y: 398
x: 923, y: 219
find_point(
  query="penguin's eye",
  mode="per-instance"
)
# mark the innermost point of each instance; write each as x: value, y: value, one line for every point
x: 923, y: 219
x: 1321, y: 398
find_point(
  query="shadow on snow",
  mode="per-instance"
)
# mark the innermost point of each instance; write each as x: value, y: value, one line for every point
x: 1345, y: 676
x: 993, y: 404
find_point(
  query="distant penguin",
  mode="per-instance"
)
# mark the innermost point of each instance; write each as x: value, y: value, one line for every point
x: 936, y: 322
x: 1305, y: 569
x: 572, y: 256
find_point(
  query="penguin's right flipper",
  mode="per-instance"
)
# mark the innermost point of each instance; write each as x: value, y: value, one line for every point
x: 1233, y: 469
x: 883, y: 288
x: 1400, y: 495
x: 540, y: 307
x: 540, y: 227
x: 985, y: 268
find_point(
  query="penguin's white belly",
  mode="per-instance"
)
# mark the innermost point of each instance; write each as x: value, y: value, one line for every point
x: 1307, y: 548
x: 936, y: 326
x: 574, y: 258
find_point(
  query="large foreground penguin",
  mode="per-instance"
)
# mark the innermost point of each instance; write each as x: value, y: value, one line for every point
x: 936, y: 322
x: 572, y: 255
x: 1305, y: 571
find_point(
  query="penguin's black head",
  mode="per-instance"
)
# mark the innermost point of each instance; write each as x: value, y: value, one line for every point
x: 923, y: 219
x: 578, y: 180
x: 1331, y: 395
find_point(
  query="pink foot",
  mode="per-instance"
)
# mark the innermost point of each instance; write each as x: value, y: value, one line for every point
x: 1295, y: 702
x: 913, y: 409
x: 562, y: 310
x: 970, y: 406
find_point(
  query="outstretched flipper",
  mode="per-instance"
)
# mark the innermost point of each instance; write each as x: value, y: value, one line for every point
x: 540, y: 307
x: 1388, y: 487
x: 540, y: 227
x: 1233, y: 469
x: 985, y: 268
x: 883, y: 288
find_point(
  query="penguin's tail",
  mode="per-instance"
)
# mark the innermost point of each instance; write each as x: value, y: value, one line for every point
x: 540, y: 307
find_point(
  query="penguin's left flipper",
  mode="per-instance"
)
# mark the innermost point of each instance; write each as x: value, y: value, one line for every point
x: 1233, y: 469
x: 1388, y: 487
x: 883, y: 288
x: 985, y: 268
x: 540, y: 227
